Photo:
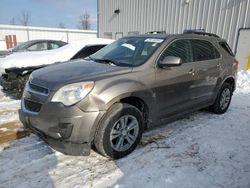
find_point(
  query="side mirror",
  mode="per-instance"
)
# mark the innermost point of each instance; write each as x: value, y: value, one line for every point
x: 169, y: 61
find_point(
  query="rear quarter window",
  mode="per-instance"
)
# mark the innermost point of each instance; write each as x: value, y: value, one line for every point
x: 226, y: 48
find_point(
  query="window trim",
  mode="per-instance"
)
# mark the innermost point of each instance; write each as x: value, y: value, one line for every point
x: 214, y: 47
x: 230, y: 53
x: 176, y: 39
x: 174, y: 42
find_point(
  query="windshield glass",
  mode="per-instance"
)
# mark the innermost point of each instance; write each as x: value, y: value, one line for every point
x: 128, y: 51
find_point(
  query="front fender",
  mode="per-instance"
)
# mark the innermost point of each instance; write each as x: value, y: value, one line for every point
x: 105, y: 95
x: 102, y: 98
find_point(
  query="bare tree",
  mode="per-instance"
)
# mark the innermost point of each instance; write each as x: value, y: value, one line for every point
x: 12, y: 21
x: 84, y: 21
x: 24, y: 18
x: 61, y: 25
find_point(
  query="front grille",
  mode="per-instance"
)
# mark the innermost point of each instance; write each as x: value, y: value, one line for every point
x: 32, y: 106
x: 38, y: 89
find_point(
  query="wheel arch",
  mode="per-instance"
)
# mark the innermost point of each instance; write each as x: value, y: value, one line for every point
x: 135, y: 101
x: 140, y: 104
x: 231, y: 81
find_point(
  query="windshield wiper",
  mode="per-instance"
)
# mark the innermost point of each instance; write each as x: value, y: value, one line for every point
x: 106, y: 61
x: 91, y: 58
x: 110, y: 62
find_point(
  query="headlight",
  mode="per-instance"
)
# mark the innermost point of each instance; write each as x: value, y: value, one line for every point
x: 73, y: 93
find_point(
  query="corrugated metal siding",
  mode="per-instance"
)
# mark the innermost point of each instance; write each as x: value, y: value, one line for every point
x: 223, y: 17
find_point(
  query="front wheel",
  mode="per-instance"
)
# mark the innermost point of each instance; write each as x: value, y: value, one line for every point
x: 223, y: 99
x: 120, y: 131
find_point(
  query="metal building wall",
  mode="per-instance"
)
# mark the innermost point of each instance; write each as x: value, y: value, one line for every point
x: 223, y: 17
x: 24, y: 33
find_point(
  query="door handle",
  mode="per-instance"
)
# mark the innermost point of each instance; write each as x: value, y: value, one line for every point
x: 218, y: 65
x: 191, y: 71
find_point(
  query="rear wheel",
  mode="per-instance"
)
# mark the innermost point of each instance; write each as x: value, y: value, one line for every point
x: 223, y: 99
x: 120, y: 131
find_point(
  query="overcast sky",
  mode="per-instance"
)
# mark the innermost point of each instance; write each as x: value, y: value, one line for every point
x: 49, y: 13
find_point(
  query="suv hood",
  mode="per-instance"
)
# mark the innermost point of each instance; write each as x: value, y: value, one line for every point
x: 58, y: 75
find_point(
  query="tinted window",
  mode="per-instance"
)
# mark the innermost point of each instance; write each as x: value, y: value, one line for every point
x: 225, y: 46
x: 204, y: 50
x: 181, y: 49
x: 216, y: 53
x: 54, y: 45
x: 40, y: 46
x: 87, y: 51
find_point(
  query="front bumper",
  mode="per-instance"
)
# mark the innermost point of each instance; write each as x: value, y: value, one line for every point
x: 66, y: 129
x: 9, y: 84
x: 12, y: 81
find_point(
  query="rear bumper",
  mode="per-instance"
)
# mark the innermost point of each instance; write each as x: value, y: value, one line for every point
x: 66, y: 129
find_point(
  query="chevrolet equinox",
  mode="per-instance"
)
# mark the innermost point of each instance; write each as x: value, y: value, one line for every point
x: 107, y: 100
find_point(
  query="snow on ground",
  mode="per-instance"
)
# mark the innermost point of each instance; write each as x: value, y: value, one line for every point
x: 243, y: 83
x: 201, y: 150
x: 8, y: 109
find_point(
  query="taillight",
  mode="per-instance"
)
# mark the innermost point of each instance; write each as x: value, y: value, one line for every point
x: 236, y: 63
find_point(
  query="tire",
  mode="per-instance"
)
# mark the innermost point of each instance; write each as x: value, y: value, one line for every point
x: 118, y: 119
x: 217, y: 107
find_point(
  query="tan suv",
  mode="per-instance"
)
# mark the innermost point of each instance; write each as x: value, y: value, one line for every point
x: 109, y: 99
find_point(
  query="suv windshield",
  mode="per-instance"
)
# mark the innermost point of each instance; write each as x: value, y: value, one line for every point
x: 131, y: 51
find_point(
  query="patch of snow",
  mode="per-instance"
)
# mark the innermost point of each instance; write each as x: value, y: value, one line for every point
x: 201, y: 150
x: 8, y: 109
x: 7, y: 117
x: 243, y: 84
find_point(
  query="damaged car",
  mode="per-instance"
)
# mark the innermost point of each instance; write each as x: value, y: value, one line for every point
x: 33, y: 45
x: 107, y: 100
x: 16, y: 68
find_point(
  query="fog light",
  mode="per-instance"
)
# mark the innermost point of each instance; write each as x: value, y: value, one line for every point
x: 65, y: 129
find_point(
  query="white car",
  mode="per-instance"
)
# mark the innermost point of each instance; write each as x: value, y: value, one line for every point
x: 16, y: 68
x: 80, y: 49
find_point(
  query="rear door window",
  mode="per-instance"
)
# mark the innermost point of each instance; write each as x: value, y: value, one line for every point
x: 204, y: 50
x: 180, y: 48
x: 40, y: 46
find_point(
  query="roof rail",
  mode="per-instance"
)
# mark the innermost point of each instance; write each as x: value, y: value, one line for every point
x: 156, y: 32
x: 201, y: 33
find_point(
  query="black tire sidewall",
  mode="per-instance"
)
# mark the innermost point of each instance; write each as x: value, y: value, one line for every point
x: 108, y: 123
x: 216, y: 107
